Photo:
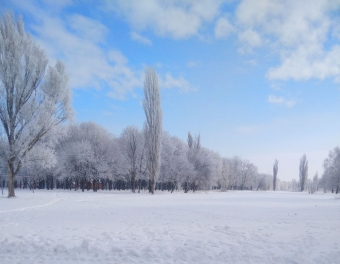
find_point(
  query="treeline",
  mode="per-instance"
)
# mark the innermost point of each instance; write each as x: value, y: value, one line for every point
x: 88, y: 157
x: 330, y: 180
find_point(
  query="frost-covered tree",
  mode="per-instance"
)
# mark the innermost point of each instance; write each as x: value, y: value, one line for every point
x: 225, y: 174
x: 39, y: 163
x: 275, y: 170
x: 194, y: 149
x: 202, y: 162
x: 303, y: 172
x: 87, y: 155
x: 132, y: 147
x: 77, y: 162
x: 204, y: 170
x: 314, y: 184
x: 248, y: 170
x: 331, y: 176
x: 260, y: 181
x: 153, y: 125
x: 235, y: 169
x: 175, y: 166
x: 216, y: 165
x: 34, y: 96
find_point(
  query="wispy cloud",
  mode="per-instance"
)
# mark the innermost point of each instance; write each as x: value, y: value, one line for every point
x: 180, y: 83
x: 251, y: 62
x: 139, y: 38
x: 223, y: 28
x: 80, y: 42
x: 177, y: 19
x: 249, y: 40
x: 272, y: 99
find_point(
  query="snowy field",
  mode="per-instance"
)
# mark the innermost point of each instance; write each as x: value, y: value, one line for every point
x: 213, y: 227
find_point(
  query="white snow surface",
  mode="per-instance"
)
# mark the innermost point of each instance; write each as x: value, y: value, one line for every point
x: 62, y: 226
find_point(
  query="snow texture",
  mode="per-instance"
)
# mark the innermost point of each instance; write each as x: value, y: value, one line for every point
x: 204, y: 227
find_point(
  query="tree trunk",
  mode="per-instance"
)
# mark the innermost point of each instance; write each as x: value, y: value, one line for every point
x: 152, y: 186
x: 133, y: 182
x: 11, y: 181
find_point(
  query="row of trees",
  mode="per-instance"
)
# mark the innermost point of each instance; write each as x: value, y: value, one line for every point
x: 330, y: 180
x: 87, y: 154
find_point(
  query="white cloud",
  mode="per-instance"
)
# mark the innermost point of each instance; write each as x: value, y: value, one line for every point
x: 117, y: 57
x: 87, y: 28
x: 181, y: 83
x: 249, y: 39
x: 178, y: 19
x: 139, y: 38
x: 297, y: 31
x: 78, y: 42
x: 223, y: 28
x: 305, y: 63
x: 272, y: 99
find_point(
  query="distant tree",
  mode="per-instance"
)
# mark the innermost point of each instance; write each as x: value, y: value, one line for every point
x: 175, y: 166
x: 235, y: 167
x: 303, y: 172
x: 203, y: 164
x: 87, y: 154
x: 248, y: 169
x: 131, y: 145
x: 260, y: 181
x: 39, y: 162
x: 34, y: 97
x: 314, y: 184
x: 194, y: 147
x: 275, y: 170
x: 153, y: 125
x: 225, y: 175
x: 331, y: 176
x: 78, y: 163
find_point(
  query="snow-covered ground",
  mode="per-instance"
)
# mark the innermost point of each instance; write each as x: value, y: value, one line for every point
x: 213, y: 227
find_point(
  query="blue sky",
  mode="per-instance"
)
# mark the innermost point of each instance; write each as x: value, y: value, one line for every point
x: 257, y: 79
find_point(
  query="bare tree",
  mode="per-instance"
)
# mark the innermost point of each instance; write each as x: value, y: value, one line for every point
x: 303, y: 172
x: 275, y: 170
x: 153, y: 125
x: 34, y: 98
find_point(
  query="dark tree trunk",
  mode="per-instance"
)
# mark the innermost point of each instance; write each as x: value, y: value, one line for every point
x: 133, y: 182
x: 11, y: 176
